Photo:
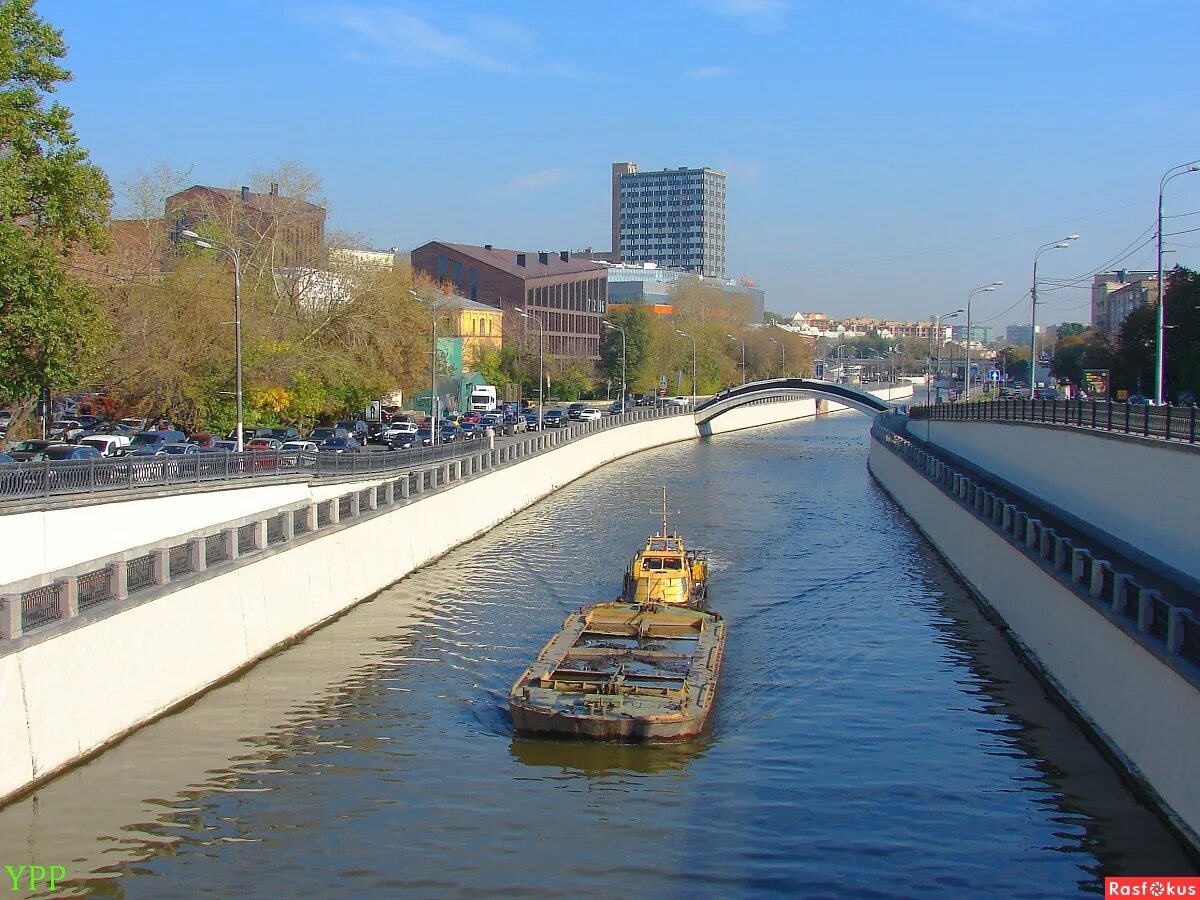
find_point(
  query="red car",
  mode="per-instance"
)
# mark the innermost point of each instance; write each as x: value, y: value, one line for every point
x: 472, y: 417
x: 204, y: 441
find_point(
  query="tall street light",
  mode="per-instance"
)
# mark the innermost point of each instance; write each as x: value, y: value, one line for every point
x: 1053, y: 245
x: 937, y: 370
x: 693, y: 340
x: 608, y: 324
x: 783, y: 347
x: 1160, y: 352
x: 541, y: 356
x: 232, y: 253
x: 967, y: 373
x: 433, y: 404
x: 743, y: 343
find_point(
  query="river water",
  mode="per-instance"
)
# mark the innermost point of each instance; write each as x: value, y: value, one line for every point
x: 874, y: 735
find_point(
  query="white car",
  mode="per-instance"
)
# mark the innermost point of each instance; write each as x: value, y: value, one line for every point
x: 682, y: 401
x: 107, y: 444
x: 301, y: 446
x: 395, y: 429
x: 589, y: 414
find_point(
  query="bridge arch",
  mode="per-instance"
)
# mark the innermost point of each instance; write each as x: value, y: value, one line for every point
x: 772, y: 388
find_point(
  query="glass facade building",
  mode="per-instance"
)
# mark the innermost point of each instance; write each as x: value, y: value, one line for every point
x: 673, y: 217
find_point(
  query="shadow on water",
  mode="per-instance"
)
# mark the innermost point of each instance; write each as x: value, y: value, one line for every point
x: 595, y: 759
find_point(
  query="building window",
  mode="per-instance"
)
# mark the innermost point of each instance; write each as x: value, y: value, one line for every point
x: 441, y: 268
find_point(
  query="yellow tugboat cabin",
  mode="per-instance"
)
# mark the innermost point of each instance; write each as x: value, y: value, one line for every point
x: 665, y: 571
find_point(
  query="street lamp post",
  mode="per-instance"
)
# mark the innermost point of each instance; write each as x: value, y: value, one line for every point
x: 783, y: 347
x: 693, y: 340
x: 232, y: 253
x: 967, y: 372
x: 433, y: 404
x: 743, y: 343
x: 1053, y: 245
x: 1160, y: 352
x: 541, y: 343
x: 937, y: 370
x: 608, y: 324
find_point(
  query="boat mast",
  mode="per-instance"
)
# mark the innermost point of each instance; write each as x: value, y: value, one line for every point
x: 664, y: 528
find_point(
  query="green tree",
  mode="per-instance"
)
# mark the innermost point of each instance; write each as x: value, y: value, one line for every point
x: 636, y: 322
x: 52, y: 201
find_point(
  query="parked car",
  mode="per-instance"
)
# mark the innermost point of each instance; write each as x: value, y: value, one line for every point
x: 131, y: 426
x: 356, y: 428
x: 518, y: 423
x: 180, y: 449
x: 221, y: 447
x: 324, y: 433
x: 148, y: 443
x: 424, y: 436
x: 27, y: 450
x: 300, y: 446
x: 470, y: 430
x: 472, y: 416
x: 589, y: 414
x: 61, y: 452
x: 531, y: 419
x: 339, y: 445
x: 264, y: 444
x: 448, y: 433
x: 403, y: 441
x: 1045, y: 394
x: 107, y: 444
x: 5, y: 459
x: 643, y: 400
x: 555, y: 418
x: 575, y: 409
x: 203, y: 440
x: 395, y: 429
x: 290, y: 433
x: 492, y: 420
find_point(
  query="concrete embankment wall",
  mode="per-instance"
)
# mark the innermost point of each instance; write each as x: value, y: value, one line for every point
x: 76, y: 530
x: 1145, y: 711
x: 1138, y: 495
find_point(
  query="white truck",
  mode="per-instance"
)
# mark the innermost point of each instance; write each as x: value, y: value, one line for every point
x: 483, y: 398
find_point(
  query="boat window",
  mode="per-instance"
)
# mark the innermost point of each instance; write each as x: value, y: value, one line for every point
x: 654, y: 563
x: 660, y: 546
x: 672, y: 563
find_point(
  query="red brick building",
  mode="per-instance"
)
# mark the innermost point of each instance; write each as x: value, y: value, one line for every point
x: 568, y: 295
x: 294, y: 230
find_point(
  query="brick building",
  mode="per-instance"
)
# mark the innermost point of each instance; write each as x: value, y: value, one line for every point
x: 294, y: 230
x: 569, y: 295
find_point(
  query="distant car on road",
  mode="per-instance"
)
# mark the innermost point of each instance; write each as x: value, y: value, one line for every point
x: 575, y: 409
x: 403, y: 441
x: 681, y: 401
x: 589, y: 414
x: 424, y: 436
x: 555, y: 418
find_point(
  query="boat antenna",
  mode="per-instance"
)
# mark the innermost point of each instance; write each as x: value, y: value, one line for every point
x: 664, y: 528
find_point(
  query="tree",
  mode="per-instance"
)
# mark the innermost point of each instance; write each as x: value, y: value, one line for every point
x: 636, y: 322
x: 52, y: 200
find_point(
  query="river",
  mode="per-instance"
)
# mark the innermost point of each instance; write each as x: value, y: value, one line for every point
x: 874, y: 735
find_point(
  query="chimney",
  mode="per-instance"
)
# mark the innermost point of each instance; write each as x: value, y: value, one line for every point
x: 274, y: 188
x: 487, y: 246
x: 521, y: 260
x: 245, y: 194
x: 544, y: 257
x: 564, y: 255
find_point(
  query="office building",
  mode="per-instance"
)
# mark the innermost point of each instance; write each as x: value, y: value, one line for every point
x: 1019, y: 334
x: 650, y: 285
x: 672, y: 217
x: 981, y: 334
x: 568, y: 295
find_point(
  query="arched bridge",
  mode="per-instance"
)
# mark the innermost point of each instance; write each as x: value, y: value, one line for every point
x: 789, y: 387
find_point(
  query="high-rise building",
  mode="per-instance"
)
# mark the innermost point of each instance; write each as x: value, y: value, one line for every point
x: 673, y: 217
x: 1116, y: 294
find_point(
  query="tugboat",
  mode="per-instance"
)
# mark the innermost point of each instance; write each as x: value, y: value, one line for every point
x: 641, y: 668
x: 623, y: 671
x: 665, y: 571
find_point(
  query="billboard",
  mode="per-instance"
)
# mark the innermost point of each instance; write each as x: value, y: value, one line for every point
x: 1095, y: 382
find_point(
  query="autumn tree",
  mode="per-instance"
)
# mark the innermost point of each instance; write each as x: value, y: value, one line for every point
x: 52, y: 200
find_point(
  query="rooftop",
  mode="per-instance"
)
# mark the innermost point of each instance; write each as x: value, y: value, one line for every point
x: 507, y: 260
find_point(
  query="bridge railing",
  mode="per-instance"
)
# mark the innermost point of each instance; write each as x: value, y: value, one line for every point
x: 1174, y: 423
x: 32, y: 480
x: 1173, y: 630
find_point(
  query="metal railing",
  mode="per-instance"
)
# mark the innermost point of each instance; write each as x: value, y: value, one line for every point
x: 1093, y: 579
x: 1173, y: 423
x: 45, y: 479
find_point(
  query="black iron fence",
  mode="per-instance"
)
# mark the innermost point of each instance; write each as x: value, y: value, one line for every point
x: 45, y: 479
x: 1174, y: 423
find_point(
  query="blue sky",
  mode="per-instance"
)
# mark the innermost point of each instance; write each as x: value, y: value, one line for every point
x: 883, y: 156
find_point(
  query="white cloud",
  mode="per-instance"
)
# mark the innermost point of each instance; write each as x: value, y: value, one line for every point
x: 406, y: 39
x: 1018, y: 14
x: 707, y: 72
x: 754, y: 15
x: 532, y: 181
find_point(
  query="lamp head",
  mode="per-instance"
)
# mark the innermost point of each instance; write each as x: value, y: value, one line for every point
x: 204, y: 245
x: 683, y: 333
x: 1071, y: 237
x: 190, y: 235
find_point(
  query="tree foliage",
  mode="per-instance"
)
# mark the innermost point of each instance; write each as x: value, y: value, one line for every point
x: 52, y: 200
